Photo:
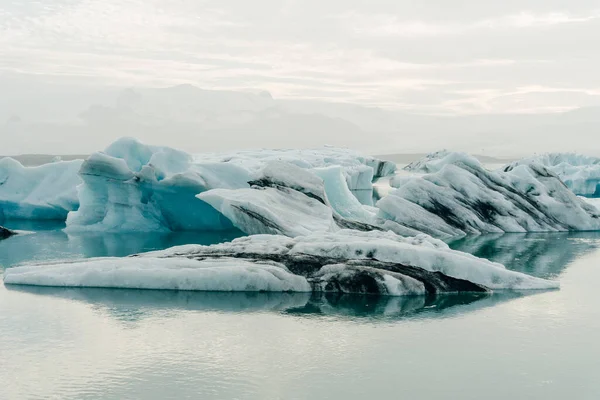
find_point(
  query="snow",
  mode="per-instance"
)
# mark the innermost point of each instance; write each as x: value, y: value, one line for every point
x: 580, y: 173
x: 136, y: 187
x: 462, y: 197
x: 434, y: 162
x: 288, y: 200
x: 359, y: 170
x: 271, y: 210
x: 339, y: 196
x: 44, y: 192
x: 592, y: 201
x: 228, y: 275
x: 344, y: 261
x: 284, y: 174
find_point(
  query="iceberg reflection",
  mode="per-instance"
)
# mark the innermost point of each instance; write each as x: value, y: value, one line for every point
x: 131, y: 305
x: 545, y: 255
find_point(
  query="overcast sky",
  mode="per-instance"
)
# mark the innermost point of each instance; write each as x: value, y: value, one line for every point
x: 433, y: 57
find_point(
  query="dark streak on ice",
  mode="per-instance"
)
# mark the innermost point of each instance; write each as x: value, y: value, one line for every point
x: 363, y: 279
x: 6, y: 233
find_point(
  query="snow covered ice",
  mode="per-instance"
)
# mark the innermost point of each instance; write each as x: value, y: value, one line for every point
x: 288, y: 200
x: 580, y: 173
x: 346, y: 261
x: 461, y: 197
x: 135, y: 187
x: 46, y: 192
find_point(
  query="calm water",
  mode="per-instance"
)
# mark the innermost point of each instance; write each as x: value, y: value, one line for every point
x: 124, y: 344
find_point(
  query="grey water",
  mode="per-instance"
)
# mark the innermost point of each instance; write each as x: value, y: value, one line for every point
x: 130, y: 344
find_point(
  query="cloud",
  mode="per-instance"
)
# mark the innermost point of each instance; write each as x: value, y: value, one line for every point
x: 382, y: 25
x: 300, y: 53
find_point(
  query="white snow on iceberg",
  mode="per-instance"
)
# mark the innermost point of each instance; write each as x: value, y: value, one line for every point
x: 580, y: 173
x: 360, y: 171
x: 44, y: 192
x: 222, y: 274
x: 135, y: 187
x: 346, y: 261
x: 463, y: 197
x: 291, y: 201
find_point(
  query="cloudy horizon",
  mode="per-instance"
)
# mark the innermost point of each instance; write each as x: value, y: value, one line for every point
x: 433, y: 58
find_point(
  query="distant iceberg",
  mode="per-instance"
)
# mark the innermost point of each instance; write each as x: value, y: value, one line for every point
x: 580, y: 173
x: 459, y: 196
x: 343, y: 262
x: 47, y: 192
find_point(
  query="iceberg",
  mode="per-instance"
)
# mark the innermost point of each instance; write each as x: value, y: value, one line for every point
x: 291, y: 201
x: 580, y: 173
x: 346, y: 261
x: 136, y: 187
x: 358, y: 170
x: 433, y: 162
x: 461, y: 197
x: 46, y: 192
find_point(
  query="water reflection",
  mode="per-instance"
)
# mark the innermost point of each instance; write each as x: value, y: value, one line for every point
x: 51, y: 244
x: 544, y: 255
x: 133, y: 305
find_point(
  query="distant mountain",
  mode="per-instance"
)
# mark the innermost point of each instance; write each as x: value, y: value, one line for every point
x: 210, y: 120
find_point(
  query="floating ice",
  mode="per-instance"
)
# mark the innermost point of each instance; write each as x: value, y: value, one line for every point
x: 346, y: 261
x: 580, y: 173
x: 161, y: 273
x: 135, y: 187
x: 291, y: 201
x: 359, y: 171
x: 44, y: 192
x: 463, y: 197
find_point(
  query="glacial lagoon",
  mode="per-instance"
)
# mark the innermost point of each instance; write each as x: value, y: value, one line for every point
x: 120, y: 344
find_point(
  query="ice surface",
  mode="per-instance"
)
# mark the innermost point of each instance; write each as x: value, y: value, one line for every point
x: 44, y: 192
x: 346, y: 261
x: 288, y: 200
x: 580, y: 173
x: 271, y: 210
x: 433, y: 162
x: 229, y: 275
x: 358, y: 170
x: 463, y: 197
x: 339, y: 196
x: 136, y: 187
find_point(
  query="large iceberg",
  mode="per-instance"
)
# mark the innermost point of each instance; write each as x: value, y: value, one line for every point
x: 44, y: 192
x: 135, y: 187
x: 347, y: 261
x: 580, y: 173
x: 461, y: 197
x: 288, y: 200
